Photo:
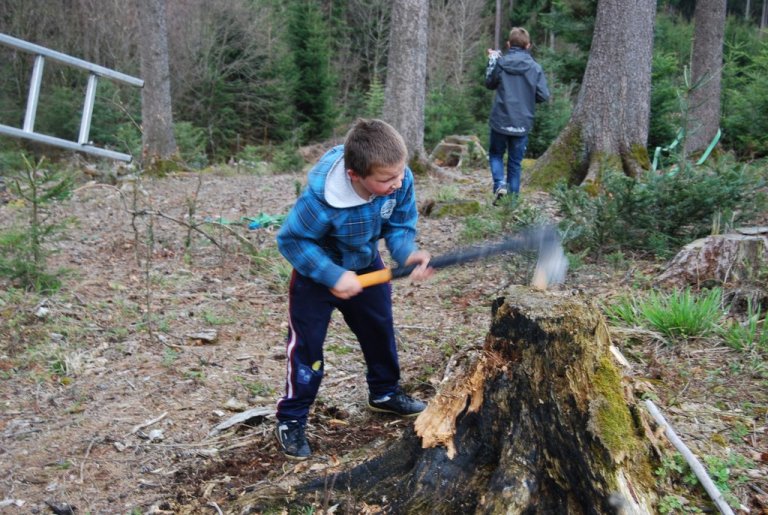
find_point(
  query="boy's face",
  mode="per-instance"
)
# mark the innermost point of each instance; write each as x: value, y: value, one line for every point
x: 383, y: 180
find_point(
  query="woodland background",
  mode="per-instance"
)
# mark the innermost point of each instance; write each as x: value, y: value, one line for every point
x: 130, y: 298
x: 262, y: 77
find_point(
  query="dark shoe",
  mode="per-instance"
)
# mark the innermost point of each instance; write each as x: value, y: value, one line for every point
x: 500, y: 193
x: 293, y: 442
x: 397, y: 403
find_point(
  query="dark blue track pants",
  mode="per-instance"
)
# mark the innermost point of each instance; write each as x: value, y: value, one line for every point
x: 368, y: 315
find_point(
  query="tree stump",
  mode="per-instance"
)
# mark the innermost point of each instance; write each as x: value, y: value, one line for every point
x: 536, y: 421
x: 736, y: 257
x: 456, y: 151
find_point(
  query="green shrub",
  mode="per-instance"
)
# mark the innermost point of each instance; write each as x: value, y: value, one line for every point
x: 745, y: 97
x: 260, y: 159
x: 23, y: 250
x: 191, y: 142
x: 18, y: 265
x: 591, y: 222
x: 286, y: 159
x: 117, y: 117
x: 550, y: 119
x: 310, y: 43
x: 58, y: 112
x: 447, y: 112
x: 374, y: 99
x: 658, y: 212
x: 11, y: 160
x: 128, y: 139
x: 665, y: 103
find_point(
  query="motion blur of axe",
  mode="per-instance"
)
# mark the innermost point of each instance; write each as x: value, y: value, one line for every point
x: 545, y: 240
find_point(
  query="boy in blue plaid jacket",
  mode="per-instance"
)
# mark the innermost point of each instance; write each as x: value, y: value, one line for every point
x: 356, y: 194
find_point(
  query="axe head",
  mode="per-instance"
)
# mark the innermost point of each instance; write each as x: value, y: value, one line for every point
x: 552, y: 263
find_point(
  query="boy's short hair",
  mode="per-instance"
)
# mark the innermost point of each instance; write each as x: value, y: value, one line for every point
x: 519, y: 37
x: 371, y: 143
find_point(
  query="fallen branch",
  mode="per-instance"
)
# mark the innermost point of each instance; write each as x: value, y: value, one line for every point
x: 191, y: 227
x: 85, y: 458
x: 693, y: 462
x: 149, y: 423
x: 244, y: 241
x: 146, y: 212
x: 240, y: 418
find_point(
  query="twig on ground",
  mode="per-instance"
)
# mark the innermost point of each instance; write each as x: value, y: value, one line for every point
x: 149, y: 423
x: 693, y: 462
x: 85, y: 458
x: 244, y: 241
x: 191, y: 227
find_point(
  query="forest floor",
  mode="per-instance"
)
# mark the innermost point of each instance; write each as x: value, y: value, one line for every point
x: 111, y: 389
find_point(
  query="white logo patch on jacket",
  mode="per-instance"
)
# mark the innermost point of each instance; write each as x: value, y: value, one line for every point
x: 387, y: 208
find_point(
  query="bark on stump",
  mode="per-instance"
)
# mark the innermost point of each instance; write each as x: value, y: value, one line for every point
x: 725, y: 258
x: 536, y: 421
x: 457, y: 151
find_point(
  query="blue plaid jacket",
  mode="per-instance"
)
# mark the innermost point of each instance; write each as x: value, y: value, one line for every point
x: 322, y: 242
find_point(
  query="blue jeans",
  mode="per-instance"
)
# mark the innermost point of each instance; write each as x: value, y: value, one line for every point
x: 515, y: 146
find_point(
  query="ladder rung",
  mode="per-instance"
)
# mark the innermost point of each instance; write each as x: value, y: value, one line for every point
x: 95, y: 71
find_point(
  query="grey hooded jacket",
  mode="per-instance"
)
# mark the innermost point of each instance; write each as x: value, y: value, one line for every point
x: 520, y: 83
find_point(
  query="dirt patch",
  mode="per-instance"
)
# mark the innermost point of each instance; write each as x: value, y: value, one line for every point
x: 109, y: 394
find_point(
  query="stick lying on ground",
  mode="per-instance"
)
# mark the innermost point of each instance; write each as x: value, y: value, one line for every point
x: 690, y: 458
x: 550, y: 266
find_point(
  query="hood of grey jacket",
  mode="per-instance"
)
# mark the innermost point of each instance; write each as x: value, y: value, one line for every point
x: 516, y: 62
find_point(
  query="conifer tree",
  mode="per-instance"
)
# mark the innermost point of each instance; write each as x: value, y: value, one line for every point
x: 310, y: 49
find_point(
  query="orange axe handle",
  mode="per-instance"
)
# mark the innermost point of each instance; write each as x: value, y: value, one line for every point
x: 378, y: 277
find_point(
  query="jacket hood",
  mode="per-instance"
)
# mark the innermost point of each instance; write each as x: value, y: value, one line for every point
x: 329, y: 181
x: 516, y: 61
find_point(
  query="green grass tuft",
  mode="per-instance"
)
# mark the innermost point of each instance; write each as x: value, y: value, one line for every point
x: 678, y: 315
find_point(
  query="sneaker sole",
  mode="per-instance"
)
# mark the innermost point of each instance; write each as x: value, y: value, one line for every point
x: 404, y: 415
x: 295, y: 458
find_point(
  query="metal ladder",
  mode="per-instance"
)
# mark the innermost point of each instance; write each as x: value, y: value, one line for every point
x: 95, y: 71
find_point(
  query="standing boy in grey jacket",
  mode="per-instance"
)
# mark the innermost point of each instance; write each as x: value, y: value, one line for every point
x: 520, y: 83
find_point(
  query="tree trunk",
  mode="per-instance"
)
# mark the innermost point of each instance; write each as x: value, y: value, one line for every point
x: 609, y: 124
x: 703, y: 120
x: 535, y: 422
x: 158, y: 141
x: 405, y: 89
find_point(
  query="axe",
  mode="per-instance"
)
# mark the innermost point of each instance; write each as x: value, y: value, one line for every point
x: 551, y: 264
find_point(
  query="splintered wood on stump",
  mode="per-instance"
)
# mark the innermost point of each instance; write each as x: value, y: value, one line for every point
x: 536, y: 421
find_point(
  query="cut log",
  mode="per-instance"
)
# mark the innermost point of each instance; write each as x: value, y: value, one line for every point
x: 535, y: 421
x: 726, y: 258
